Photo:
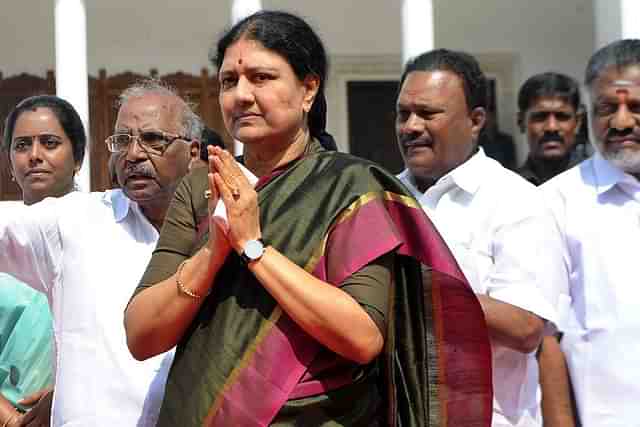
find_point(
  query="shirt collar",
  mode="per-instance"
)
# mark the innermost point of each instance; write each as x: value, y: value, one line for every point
x: 120, y: 204
x: 464, y: 176
x: 607, y: 175
x: 467, y: 175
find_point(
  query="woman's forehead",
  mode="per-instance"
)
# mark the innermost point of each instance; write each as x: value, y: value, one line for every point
x: 38, y: 120
x: 250, y: 53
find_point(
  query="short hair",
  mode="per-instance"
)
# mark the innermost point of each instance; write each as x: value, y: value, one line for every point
x: 191, y: 124
x: 620, y: 54
x: 465, y: 66
x: 209, y: 137
x: 65, y: 113
x: 549, y: 84
x: 295, y: 41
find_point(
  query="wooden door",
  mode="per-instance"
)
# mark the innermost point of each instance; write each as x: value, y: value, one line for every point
x: 371, y: 106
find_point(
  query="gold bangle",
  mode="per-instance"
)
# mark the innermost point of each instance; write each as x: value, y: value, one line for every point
x: 10, y: 420
x: 183, y: 289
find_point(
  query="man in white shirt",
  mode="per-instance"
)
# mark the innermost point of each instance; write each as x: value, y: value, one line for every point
x: 494, y: 221
x: 87, y: 251
x: 597, y: 207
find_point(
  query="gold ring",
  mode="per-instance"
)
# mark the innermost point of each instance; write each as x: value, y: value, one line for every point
x: 207, y: 194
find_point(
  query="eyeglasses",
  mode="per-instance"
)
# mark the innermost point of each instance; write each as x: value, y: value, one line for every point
x: 155, y: 142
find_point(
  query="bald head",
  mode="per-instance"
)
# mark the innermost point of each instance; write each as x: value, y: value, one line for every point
x: 190, y: 124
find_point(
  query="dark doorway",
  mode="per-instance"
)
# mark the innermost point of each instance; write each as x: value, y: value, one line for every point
x: 371, y: 108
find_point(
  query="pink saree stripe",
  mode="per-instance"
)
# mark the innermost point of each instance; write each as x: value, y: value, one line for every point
x: 315, y: 387
x: 421, y: 241
x: 275, y: 368
x: 358, y: 240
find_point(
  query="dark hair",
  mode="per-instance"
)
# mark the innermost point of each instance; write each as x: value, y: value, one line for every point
x: 209, y: 137
x: 620, y: 54
x: 549, y: 84
x: 465, y: 66
x: 294, y: 40
x: 65, y: 113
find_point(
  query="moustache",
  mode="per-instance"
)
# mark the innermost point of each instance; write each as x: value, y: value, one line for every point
x: 551, y: 137
x: 623, y: 133
x: 409, y: 140
x: 140, y: 169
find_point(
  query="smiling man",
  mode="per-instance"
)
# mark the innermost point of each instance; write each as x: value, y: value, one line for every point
x: 550, y: 116
x: 493, y: 220
x: 597, y: 206
x: 87, y: 252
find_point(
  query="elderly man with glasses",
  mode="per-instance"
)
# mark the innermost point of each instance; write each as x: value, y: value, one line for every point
x: 87, y: 251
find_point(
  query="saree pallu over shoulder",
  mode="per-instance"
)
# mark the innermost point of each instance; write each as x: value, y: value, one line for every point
x: 243, y: 358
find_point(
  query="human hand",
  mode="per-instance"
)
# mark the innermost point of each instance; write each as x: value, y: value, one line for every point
x: 40, y: 414
x: 218, y: 241
x: 12, y: 421
x: 239, y: 197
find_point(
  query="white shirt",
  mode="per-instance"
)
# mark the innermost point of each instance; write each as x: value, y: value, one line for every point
x: 597, y: 208
x: 506, y: 244
x: 87, y: 252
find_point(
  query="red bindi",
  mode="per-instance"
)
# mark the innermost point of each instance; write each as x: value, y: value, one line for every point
x: 623, y: 94
x: 240, y: 61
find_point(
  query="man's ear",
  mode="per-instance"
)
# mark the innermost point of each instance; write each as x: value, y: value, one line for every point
x: 521, y: 121
x: 580, y: 117
x: 194, y: 149
x: 478, y: 119
x: 194, y: 155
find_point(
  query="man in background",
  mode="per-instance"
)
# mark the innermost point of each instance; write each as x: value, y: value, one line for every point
x: 550, y: 115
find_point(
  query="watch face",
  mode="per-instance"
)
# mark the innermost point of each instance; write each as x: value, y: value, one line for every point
x: 253, y: 249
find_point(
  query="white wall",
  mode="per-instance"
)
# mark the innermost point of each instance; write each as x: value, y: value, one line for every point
x: 26, y: 37
x: 138, y: 35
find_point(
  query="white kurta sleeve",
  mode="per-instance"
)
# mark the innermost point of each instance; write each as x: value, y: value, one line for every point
x: 30, y: 242
x: 556, y: 203
x: 528, y: 269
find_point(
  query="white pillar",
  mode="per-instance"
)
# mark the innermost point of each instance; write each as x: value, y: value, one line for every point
x: 615, y: 20
x: 72, y: 82
x: 239, y: 10
x: 243, y: 8
x: 417, y: 28
x: 630, y: 12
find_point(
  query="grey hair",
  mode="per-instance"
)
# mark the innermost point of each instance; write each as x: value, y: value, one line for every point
x: 620, y: 54
x: 191, y: 123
